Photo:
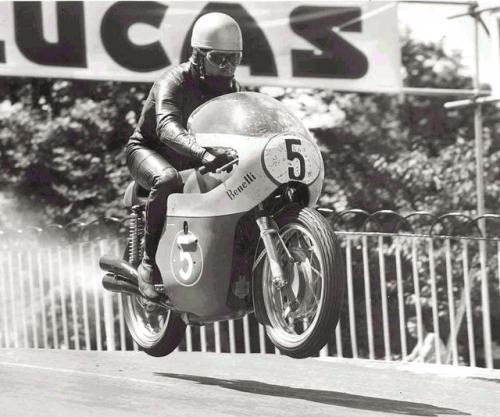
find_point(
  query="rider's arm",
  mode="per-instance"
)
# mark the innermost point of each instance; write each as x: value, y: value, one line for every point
x: 168, y: 94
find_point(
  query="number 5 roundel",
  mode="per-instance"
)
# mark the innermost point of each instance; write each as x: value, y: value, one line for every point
x: 186, y: 260
x: 290, y: 158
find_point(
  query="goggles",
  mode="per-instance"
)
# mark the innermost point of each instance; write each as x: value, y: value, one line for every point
x: 221, y: 59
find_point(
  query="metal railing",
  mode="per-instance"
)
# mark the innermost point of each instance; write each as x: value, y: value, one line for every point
x: 438, y: 269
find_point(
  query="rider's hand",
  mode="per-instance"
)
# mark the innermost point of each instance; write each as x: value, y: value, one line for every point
x: 216, y: 159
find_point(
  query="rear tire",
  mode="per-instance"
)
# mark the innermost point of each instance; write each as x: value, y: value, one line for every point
x: 158, y: 331
x: 318, y: 283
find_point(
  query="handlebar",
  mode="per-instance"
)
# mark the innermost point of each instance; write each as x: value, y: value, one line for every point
x: 204, y: 170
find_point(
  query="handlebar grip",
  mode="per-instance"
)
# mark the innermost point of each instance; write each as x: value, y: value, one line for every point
x: 203, y: 170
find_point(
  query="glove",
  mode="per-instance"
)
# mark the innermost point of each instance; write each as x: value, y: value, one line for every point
x: 216, y: 159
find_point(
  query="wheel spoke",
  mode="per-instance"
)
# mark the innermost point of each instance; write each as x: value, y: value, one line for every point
x: 320, y: 275
x: 149, y: 319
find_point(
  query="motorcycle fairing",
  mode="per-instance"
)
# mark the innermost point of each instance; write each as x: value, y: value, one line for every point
x: 252, y: 180
x: 204, y: 293
x: 273, y: 147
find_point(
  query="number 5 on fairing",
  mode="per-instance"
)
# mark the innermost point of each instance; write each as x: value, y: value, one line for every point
x: 292, y: 155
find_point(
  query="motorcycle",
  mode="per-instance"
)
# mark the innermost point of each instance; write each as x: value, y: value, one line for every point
x: 243, y: 238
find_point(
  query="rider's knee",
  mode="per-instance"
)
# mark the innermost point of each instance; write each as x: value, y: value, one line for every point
x: 168, y: 182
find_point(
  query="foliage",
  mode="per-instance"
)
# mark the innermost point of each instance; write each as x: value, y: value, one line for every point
x: 62, y: 148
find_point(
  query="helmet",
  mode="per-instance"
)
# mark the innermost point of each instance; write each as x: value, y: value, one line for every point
x: 217, y: 31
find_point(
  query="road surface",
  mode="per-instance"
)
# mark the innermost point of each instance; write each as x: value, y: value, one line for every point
x: 52, y: 383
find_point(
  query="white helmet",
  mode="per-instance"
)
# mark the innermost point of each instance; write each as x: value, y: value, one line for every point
x: 217, y: 31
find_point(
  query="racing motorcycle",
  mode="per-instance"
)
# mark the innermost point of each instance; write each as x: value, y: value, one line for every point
x: 241, y: 239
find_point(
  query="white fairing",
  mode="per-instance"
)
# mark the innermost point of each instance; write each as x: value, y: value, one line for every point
x: 273, y: 147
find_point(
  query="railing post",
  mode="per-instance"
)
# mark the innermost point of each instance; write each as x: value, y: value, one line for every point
x: 368, y: 299
x: 3, y: 296
x: 34, y: 324
x: 451, y: 303
x: 416, y: 290
x: 350, y: 299
x: 401, y: 306
x: 435, y: 305
x: 109, y: 318
x: 62, y: 283
x: 383, y: 295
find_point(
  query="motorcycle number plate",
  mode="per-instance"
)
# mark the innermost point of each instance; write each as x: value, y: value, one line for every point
x: 291, y: 158
x: 186, y: 259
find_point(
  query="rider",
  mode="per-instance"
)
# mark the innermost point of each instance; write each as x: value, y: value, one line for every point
x: 160, y: 145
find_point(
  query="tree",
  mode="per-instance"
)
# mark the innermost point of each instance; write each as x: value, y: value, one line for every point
x: 62, y: 148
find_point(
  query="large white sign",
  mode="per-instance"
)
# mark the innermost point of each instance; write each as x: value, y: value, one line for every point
x: 350, y: 45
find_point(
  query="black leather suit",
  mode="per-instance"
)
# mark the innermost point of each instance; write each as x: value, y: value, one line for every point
x: 160, y: 145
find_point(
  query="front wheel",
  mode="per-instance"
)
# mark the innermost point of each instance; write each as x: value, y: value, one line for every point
x: 317, y: 281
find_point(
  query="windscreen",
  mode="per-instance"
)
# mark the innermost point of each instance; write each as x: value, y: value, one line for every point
x: 246, y: 114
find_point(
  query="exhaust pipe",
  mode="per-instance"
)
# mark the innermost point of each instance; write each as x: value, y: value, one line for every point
x: 113, y: 283
x: 121, y: 268
x: 121, y: 276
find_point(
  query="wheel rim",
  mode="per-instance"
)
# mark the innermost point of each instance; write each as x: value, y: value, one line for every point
x: 307, y: 284
x: 147, y: 322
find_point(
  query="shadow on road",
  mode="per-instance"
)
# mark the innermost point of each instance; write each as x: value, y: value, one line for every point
x: 497, y: 381
x: 325, y: 397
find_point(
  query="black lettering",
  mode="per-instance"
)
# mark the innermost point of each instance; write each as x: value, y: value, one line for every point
x: 257, y: 53
x: 292, y: 155
x: 2, y: 51
x: 114, y: 32
x: 339, y: 59
x: 68, y: 51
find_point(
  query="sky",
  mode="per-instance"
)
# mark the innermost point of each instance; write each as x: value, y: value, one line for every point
x: 430, y: 22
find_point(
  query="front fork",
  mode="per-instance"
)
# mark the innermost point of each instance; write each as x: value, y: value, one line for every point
x: 281, y: 274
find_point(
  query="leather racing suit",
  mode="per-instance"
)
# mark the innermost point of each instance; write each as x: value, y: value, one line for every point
x: 161, y: 146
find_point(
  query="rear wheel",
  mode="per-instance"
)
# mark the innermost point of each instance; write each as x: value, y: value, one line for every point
x: 157, y: 330
x: 317, y: 281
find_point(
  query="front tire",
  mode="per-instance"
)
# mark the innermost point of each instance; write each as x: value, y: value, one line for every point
x: 318, y: 282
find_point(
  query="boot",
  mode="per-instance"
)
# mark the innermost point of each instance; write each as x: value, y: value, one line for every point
x: 145, y: 269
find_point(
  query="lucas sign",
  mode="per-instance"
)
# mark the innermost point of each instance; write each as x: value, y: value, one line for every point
x: 351, y: 46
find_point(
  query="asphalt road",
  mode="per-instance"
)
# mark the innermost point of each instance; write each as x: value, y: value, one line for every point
x: 69, y: 383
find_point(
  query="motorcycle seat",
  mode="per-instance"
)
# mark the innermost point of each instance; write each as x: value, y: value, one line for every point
x: 135, y: 195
